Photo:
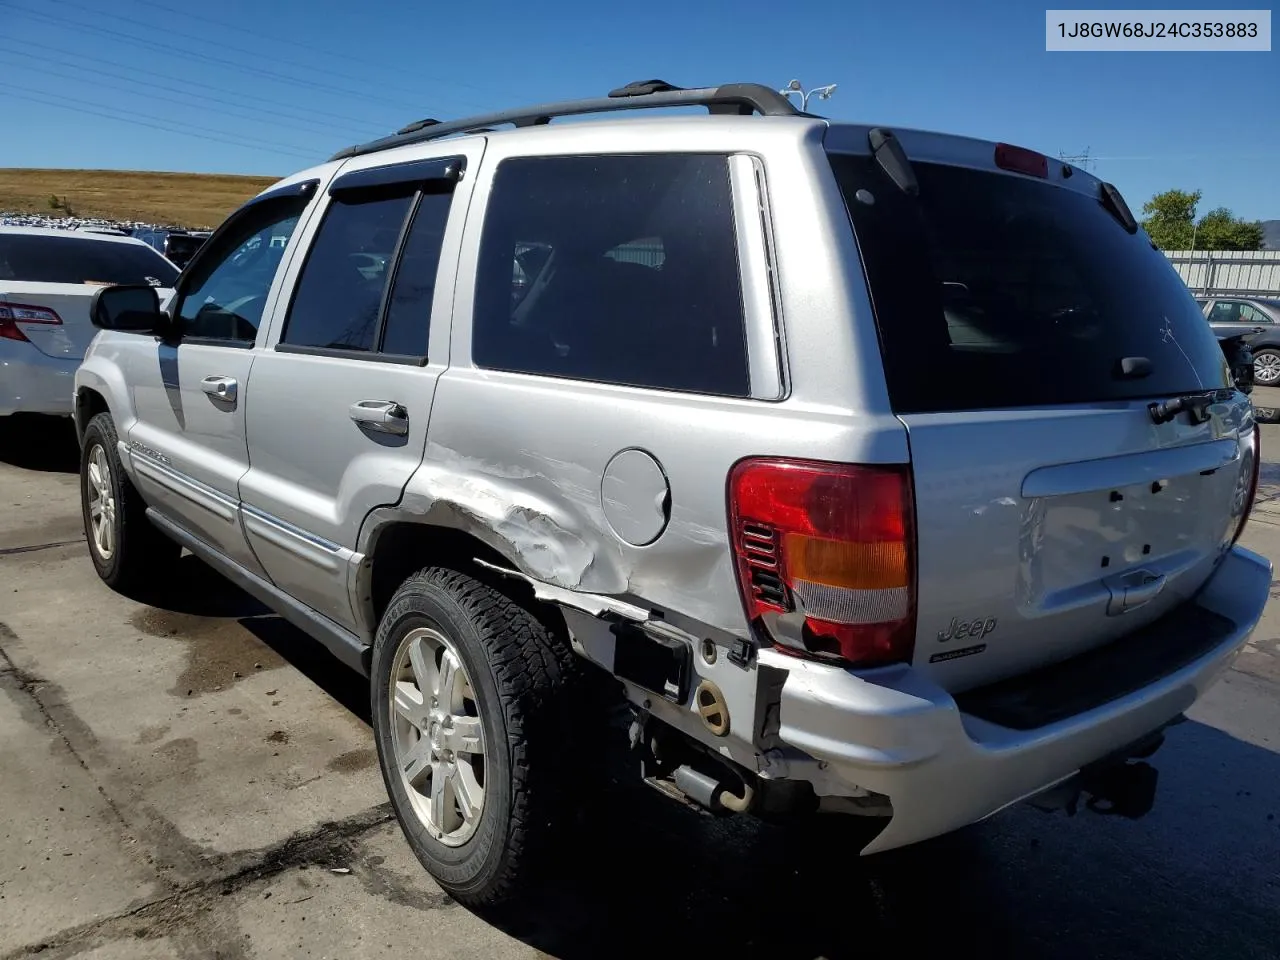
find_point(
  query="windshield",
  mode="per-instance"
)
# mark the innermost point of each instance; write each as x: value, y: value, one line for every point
x: 996, y: 290
x: 71, y: 259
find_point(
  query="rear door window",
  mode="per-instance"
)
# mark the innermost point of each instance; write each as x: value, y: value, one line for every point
x: 51, y: 259
x: 996, y: 290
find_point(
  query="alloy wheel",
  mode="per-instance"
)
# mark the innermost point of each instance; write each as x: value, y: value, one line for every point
x: 437, y: 736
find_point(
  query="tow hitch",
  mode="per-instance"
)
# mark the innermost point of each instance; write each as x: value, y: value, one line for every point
x: 1119, y: 785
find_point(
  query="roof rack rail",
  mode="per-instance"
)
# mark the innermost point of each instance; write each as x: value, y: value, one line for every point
x: 742, y: 99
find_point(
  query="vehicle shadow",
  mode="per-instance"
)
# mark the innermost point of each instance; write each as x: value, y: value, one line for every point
x: 46, y: 444
x: 195, y: 589
x: 642, y: 876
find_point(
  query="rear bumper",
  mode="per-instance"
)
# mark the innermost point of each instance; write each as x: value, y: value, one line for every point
x: 31, y: 382
x: 898, y: 734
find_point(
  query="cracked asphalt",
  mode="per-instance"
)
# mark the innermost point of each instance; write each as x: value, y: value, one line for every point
x: 196, y: 779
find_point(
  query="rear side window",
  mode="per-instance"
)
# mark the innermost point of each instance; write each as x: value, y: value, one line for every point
x: 361, y: 251
x: 996, y: 290
x: 71, y: 259
x: 614, y: 269
x: 339, y: 293
x: 409, y: 307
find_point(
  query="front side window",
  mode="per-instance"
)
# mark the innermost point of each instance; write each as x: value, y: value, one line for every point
x: 224, y: 296
x: 613, y: 269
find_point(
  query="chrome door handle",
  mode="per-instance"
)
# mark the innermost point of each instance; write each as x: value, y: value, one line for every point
x: 383, y: 416
x: 220, y: 388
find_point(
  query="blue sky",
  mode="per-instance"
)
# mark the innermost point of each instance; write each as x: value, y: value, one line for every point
x: 274, y: 85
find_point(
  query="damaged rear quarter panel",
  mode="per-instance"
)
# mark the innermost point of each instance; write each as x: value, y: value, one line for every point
x: 528, y: 482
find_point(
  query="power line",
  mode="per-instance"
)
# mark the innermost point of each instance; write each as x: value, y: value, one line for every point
x: 276, y: 38
x: 1081, y: 160
x: 114, y: 113
x: 169, y: 32
x: 188, y: 54
x: 189, y: 102
x: 170, y: 78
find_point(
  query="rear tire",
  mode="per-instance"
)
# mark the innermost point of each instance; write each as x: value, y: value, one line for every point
x: 1266, y: 367
x: 130, y: 555
x: 471, y: 701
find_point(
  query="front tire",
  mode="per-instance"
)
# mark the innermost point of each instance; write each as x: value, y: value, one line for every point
x: 471, y: 696
x: 129, y: 553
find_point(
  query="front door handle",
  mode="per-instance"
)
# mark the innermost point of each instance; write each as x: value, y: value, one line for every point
x: 220, y: 388
x: 383, y: 416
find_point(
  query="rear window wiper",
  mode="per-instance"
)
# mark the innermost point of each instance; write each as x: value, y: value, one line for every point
x: 1196, y: 405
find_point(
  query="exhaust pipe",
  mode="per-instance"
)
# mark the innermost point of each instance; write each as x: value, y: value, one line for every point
x: 707, y: 791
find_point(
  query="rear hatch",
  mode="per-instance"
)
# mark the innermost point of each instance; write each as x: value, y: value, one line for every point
x: 1025, y: 333
x: 54, y: 277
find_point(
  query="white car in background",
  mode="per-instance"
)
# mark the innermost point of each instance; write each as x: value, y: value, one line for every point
x: 47, y: 280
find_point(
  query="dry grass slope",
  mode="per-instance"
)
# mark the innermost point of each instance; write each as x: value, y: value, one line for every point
x: 193, y: 200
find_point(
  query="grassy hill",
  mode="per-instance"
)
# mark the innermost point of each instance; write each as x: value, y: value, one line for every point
x: 193, y: 200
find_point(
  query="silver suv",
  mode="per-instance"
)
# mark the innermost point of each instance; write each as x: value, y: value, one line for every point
x: 885, y: 472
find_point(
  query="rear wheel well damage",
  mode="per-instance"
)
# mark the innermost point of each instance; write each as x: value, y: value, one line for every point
x: 401, y: 549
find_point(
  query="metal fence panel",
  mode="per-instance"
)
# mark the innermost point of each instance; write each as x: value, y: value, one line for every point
x: 1229, y: 272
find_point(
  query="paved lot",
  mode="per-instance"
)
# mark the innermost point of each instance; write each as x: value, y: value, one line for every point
x: 198, y: 779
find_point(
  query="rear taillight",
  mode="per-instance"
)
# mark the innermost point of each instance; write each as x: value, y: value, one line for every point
x: 13, y: 313
x: 834, y: 545
x: 1251, y: 491
x: 1021, y: 160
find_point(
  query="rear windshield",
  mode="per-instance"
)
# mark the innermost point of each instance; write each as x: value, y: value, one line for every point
x: 72, y: 259
x: 998, y: 290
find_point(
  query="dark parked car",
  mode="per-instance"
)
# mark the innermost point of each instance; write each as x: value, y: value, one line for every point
x: 1231, y: 316
x: 181, y: 247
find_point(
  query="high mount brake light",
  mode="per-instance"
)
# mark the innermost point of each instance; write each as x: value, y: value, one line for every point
x: 834, y: 543
x: 1021, y: 160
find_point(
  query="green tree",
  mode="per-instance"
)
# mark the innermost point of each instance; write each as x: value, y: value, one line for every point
x: 1219, y: 230
x: 1170, y: 219
x: 54, y: 202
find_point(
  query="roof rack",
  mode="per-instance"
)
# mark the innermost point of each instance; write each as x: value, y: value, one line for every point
x: 742, y: 99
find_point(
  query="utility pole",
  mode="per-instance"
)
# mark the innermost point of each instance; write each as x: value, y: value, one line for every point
x: 1081, y: 160
x: 795, y: 86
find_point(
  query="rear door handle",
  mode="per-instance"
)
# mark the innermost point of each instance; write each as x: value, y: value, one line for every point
x: 382, y: 416
x: 220, y: 388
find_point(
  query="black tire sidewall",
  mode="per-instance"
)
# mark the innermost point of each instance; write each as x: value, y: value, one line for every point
x: 473, y: 865
x: 101, y: 433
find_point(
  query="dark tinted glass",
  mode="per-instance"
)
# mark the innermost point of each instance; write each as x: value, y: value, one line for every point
x: 409, y: 307
x: 52, y: 259
x: 994, y: 290
x: 339, y: 293
x: 613, y: 269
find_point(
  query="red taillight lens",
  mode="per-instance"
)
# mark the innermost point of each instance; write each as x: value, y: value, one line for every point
x: 12, y: 313
x: 1252, y: 490
x: 1021, y: 160
x: 834, y: 541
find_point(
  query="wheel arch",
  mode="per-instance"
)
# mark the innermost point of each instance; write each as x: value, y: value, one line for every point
x: 395, y: 548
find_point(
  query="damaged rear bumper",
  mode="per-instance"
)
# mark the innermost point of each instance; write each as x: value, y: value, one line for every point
x: 896, y: 733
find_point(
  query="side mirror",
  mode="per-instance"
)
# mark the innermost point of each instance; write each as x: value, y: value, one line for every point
x: 130, y: 308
